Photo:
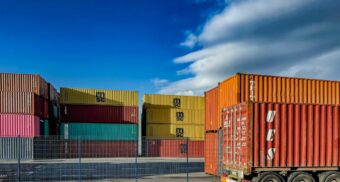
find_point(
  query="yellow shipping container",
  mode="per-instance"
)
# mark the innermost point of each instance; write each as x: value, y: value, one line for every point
x: 174, y: 116
x: 173, y: 101
x: 167, y: 131
x: 98, y: 97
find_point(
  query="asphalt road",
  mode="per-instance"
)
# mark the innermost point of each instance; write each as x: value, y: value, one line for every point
x: 104, y: 170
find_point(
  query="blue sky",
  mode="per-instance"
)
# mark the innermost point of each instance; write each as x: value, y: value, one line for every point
x: 168, y: 46
x: 98, y: 44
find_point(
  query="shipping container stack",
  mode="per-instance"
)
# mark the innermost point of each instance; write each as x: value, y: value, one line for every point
x: 24, y: 111
x: 168, y: 121
x: 284, y: 107
x: 212, y: 127
x: 100, y: 123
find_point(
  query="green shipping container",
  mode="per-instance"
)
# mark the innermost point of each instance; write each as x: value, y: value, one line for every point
x: 99, y: 131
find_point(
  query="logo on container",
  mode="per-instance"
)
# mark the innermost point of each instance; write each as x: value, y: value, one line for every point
x: 270, y: 134
x: 177, y: 102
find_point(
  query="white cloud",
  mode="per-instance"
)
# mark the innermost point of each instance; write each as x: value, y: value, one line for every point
x: 292, y: 37
x: 159, y: 82
x: 190, y: 41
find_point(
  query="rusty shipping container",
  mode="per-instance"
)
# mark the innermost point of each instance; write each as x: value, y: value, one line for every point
x: 172, y: 148
x: 212, y: 116
x: 262, y: 88
x: 211, y: 153
x: 23, y: 103
x: 272, y: 136
x: 12, y: 82
x: 14, y: 125
x: 103, y: 114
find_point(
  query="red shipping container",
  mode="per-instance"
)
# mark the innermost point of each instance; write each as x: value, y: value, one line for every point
x: 212, y: 116
x: 23, y: 103
x: 99, y: 149
x: 173, y: 148
x: 272, y: 135
x: 96, y: 113
x: 211, y: 153
x: 13, y: 125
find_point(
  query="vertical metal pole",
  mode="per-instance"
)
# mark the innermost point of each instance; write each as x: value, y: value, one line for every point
x: 136, y: 159
x: 19, y: 151
x: 79, y: 157
x: 187, y: 150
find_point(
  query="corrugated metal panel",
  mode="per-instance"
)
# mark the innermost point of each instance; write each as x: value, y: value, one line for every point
x: 173, y: 148
x: 174, y: 116
x: 23, y: 103
x: 99, y: 131
x: 103, y: 114
x: 173, y: 101
x: 98, y: 97
x: 261, y: 88
x: 98, y: 149
x: 212, y: 116
x: 12, y: 125
x: 281, y: 135
x: 229, y: 92
x: 13, y: 148
x: 165, y: 131
x: 210, y: 153
x: 23, y: 83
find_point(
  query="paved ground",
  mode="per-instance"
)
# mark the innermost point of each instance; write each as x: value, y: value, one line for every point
x: 107, y: 169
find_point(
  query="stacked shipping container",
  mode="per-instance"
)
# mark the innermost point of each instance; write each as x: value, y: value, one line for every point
x: 24, y: 108
x: 167, y: 119
x: 100, y: 118
x: 212, y: 117
x: 304, y: 96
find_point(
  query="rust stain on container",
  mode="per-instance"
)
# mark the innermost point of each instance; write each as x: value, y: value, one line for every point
x: 280, y: 135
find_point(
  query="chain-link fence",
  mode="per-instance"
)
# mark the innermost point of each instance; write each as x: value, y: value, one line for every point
x: 53, y: 158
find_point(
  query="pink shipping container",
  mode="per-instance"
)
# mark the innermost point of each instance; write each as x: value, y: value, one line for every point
x: 12, y: 82
x: 13, y: 125
x: 23, y: 103
x: 260, y: 137
x: 103, y: 114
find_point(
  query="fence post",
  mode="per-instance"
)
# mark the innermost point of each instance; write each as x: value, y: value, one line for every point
x: 19, y: 157
x: 187, y: 150
x: 136, y: 159
x: 79, y: 160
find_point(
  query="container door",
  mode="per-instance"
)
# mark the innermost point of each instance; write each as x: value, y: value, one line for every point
x: 237, y: 137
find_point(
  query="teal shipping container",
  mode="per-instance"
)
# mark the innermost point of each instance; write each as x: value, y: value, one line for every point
x: 99, y: 131
x: 44, y: 127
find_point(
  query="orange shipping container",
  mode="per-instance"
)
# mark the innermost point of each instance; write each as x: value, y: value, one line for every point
x: 212, y: 116
x: 267, y: 136
x: 211, y: 153
x: 12, y: 82
x: 261, y: 88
